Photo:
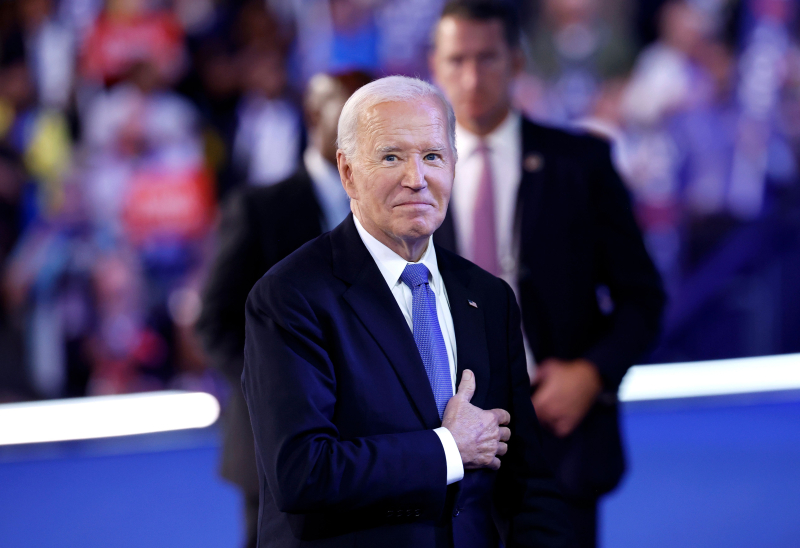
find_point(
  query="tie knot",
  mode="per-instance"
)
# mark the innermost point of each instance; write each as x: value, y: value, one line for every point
x: 414, y: 275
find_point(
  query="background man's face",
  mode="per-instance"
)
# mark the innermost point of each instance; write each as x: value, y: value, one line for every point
x: 474, y: 66
x: 401, y: 178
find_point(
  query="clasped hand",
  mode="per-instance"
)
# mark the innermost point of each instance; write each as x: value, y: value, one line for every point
x: 479, y: 434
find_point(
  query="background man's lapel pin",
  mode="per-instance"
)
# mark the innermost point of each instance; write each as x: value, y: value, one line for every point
x: 472, y: 303
x: 533, y: 162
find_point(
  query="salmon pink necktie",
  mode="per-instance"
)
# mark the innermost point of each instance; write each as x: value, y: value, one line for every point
x: 484, y: 240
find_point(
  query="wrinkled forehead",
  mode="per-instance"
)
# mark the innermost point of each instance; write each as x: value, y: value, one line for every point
x: 420, y: 123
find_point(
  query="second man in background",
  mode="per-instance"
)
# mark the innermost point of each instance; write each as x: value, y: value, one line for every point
x: 545, y: 210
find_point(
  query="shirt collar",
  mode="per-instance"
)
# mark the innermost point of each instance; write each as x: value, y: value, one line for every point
x: 328, y: 187
x: 468, y: 142
x: 392, y: 265
x: 323, y: 173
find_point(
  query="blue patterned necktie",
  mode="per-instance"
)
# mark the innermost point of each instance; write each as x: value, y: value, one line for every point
x: 428, y: 334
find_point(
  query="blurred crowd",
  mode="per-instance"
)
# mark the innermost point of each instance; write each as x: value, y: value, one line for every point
x: 124, y: 124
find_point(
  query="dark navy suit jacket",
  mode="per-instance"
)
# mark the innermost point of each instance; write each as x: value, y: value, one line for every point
x: 343, y: 413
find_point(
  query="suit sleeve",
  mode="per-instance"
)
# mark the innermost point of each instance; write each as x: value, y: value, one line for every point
x: 527, y: 490
x: 232, y: 274
x: 290, y: 385
x: 626, y: 269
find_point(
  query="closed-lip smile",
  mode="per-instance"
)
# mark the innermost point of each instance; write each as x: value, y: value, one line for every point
x: 414, y: 204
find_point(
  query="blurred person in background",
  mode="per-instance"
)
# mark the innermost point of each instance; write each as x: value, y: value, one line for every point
x: 34, y: 130
x: 13, y: 379
x: 35, y: 150
x: 667, y: 79
x: 268, y: 140
x: 126, y: 32
x: 573, y: 46
x: 268, y: 135
x: 214, y: 87
x: 666, y: 76
x: 49, y: 49
x: 217, y: 73
x: 259, y: 227
x: 48, y: 286
x: 546, y: 211
x: 148, y: 189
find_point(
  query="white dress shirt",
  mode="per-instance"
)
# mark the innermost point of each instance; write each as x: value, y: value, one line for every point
x: 391, y: 266
x: 332, y: 198
x: 505, y: 153
x: 267, y: 142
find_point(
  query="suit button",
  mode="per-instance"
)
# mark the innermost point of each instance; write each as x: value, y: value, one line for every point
x: 456, y: 512
x: 389, y: 513
x: 416, y: 512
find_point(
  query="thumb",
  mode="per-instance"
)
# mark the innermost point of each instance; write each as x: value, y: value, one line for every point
x: 466, y: 388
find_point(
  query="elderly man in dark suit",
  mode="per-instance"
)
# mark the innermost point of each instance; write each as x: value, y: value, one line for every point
x: 355, y: 345
x: 260, y: 226
x: 545, y: 210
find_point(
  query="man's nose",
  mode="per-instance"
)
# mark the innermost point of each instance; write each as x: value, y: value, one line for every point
x: 469, y: 75
x: 415, y: 174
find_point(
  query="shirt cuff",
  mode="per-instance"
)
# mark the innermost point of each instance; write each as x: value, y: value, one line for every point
x: 455, y: 468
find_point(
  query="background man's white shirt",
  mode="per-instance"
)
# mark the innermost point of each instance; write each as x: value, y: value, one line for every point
x: 332, y: 198
x: 505, y: 153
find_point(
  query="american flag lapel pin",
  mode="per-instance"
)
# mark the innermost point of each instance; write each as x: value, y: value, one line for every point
x: 472, y: 303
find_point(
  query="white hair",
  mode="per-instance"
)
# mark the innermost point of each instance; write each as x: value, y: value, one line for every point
x: 387, y: 90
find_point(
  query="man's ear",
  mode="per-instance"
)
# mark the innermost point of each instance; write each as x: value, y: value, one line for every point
x: 312, y: 117
x: 517, y: 61
x: 346, y: 174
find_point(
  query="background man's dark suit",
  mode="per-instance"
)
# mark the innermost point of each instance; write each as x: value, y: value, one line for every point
x: 260, y: 226
x: 343, y: 412
x: 578, y: 244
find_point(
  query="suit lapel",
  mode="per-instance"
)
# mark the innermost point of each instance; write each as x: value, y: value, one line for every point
x: 531, y: 190
x: 468, y: 322
x: 376, y: 307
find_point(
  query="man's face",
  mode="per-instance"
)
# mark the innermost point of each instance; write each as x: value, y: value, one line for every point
x: 475, y: 66
x: 401, y: 178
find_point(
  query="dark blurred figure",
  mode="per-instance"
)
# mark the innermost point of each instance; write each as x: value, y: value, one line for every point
x: 34, y: 150
x: 545, y: 210
x: 261, y: 226
x: 48, y: 47
x: 268, y: 139
x: 228, y: 57
x: 13, y: 380
x: 214, y: 86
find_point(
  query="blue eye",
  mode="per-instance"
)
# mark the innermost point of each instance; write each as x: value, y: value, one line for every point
x: 431, y: 157
x: 390, y: 158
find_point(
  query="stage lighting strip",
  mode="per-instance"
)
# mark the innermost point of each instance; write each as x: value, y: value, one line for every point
x: 110, y: 416
x: 711, y: 378
x: 105, y: 416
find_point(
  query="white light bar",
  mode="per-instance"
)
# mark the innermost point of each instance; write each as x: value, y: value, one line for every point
x: 711, y: 378
x: 105, y: 416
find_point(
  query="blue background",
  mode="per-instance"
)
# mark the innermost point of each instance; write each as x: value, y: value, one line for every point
x: 706, y: 472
